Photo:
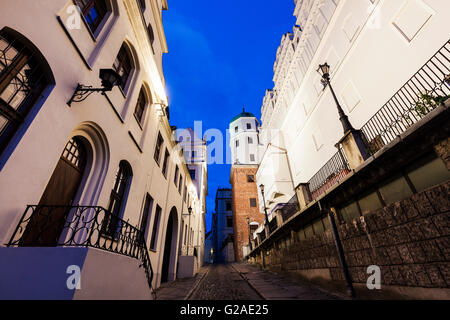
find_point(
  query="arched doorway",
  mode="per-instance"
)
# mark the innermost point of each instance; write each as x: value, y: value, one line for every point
x: 170, y: 248
x: 48, y: 219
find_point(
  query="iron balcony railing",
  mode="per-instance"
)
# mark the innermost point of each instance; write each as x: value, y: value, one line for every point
x: 76, y: 226
x: 331, y: 173
x: 290, y: 208
x: 422, y: 93
x: 273, y: 225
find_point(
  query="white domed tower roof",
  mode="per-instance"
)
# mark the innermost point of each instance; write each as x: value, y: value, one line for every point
x: 244, y: 139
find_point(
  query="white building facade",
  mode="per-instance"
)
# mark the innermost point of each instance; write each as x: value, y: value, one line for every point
x: 192, y: 247
x: 104, y: 178
x: 372, y: 46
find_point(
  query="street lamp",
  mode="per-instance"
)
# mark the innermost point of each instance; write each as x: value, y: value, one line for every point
x: 261, y: 186
x: 109, y: 77
x: 189, y: 225
x: 249, y: 239
x: 324, y: 71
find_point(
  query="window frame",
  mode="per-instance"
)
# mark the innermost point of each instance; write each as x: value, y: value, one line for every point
x: 165, y: 167
x: 121, y: 56
x: 158, y: 148
x: 141, y: 108
x: 26, y: 56
x: 155, y: 229
x: 100, y: 6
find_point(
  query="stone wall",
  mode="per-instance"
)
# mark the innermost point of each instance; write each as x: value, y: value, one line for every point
x: 409, y: 240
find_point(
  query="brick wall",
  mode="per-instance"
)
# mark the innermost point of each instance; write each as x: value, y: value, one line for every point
x: 242, y: 191
x: 409, y: 240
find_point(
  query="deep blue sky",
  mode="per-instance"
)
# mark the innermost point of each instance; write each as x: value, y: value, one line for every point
x: 221, y: 56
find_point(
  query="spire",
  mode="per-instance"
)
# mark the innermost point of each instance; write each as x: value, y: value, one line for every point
x: 243, y: 108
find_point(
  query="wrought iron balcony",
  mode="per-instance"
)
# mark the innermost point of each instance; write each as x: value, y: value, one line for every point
x: 421, y: 94
x: 81, y: 226
x: 289, y: 208
x: 331, y: 173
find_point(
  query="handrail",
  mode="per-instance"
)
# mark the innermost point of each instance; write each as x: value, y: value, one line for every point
x: 75, y: 226
x: 421, y: 94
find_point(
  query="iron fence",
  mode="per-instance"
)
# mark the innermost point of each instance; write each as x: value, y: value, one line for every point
x: 76, y: 226
x: 290, y: 208
x: 273, y: 225
x: 422, y: 93
x: 331, y: 173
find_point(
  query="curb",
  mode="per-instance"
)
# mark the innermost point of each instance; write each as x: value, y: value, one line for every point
x: 248, y: 282
x: 191, y: 292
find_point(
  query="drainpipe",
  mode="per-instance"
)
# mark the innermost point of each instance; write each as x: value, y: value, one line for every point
x: 340, y: 251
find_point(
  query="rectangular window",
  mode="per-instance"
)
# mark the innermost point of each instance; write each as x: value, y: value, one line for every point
x: 250, y: 178
x: 93, y: 12
x: 237, y: 143
x: 154, y: 240
x: 250, y: 140
x: 249, y: 126
x: 253, y: 202
x: 228, y: 206
x: 252, y: 157
x: 175, y: 179
x: 140, y: 108
x: 192, y: 173
x: 229, y: 222
x: 146, y: 215
x: 236, y: 129
x: 180, y: 184
x: 165, y: 163
x: 159, y: 143
x: 185, y: 193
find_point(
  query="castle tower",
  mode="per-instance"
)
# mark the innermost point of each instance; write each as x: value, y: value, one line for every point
x: 244, y: 144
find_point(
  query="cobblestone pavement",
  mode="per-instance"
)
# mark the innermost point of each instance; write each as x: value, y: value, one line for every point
x: 223, y: 283
x: 274, y: 287
x: 239, y: 282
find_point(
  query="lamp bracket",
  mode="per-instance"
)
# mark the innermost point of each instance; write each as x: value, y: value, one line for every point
x: 83, y: 92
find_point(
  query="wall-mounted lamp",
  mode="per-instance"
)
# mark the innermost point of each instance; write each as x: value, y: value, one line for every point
x: 109, y: 77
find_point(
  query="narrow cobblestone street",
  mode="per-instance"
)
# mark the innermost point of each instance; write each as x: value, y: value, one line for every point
x: 238, y: 282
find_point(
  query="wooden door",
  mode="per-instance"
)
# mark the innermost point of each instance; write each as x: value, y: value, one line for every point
x: 49, y: 217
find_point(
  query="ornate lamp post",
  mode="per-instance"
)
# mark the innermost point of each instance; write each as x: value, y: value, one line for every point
x: 189, y: 226
x: 249, y: 239
x: 324, y: 71
x: 261, y: 186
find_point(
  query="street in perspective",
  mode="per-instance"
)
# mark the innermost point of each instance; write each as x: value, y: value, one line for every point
x: 225, y: 158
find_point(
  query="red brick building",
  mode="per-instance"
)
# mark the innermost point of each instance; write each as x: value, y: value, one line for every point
x: 245, y: 205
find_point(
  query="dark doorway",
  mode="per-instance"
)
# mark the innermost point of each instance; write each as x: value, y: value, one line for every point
x: 47, y: 221
x: 169, y: 246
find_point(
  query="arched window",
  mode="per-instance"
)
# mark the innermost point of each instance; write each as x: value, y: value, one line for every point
x: 117, y: 198
x: 123, y: 66
x: 151, y: 36
x: 139, y: 111
x: 24, y: 75
x: 93, y: 12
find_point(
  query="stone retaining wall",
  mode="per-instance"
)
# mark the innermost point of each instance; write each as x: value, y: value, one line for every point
x: 409, y: 240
